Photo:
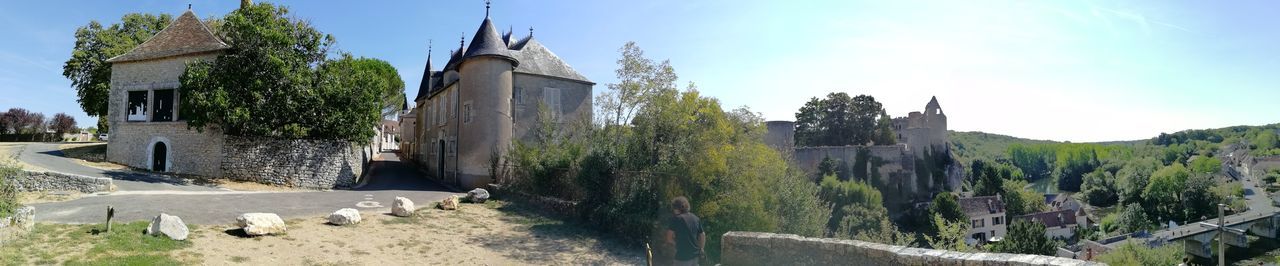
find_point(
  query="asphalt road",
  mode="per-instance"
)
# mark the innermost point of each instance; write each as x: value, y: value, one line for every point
x: 48, y: 156
x: 141, y: 200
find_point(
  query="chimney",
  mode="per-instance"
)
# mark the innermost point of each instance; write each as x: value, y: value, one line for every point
x: 245, y: 3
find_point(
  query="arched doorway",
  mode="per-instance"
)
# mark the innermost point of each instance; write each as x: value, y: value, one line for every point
x: 440, y: 161
x: 159, y: 154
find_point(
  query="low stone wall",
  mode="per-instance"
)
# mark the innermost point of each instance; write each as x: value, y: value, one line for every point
x: 28, y: 181
x: 553, y: 206
x: 20, y: 223
x: 320, y: 164
x: 751, y: 248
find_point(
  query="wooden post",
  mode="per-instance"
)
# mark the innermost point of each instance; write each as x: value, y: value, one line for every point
x: 111, y: 212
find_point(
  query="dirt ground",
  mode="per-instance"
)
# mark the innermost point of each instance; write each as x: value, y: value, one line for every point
x: 477, y: 234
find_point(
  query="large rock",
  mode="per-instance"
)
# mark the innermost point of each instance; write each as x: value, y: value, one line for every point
x: 345, y: 217
x: 23, y: 218
x: 478, y: 195
x: 450, y: 203
x: 256, y: 224
x: 402, y: 207
x: 168, y: 225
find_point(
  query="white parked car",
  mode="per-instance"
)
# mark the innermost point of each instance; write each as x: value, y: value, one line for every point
x: 102, y: 137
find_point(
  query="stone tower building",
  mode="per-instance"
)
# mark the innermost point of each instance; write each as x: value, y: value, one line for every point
x: 924, y: 131
x: 146, y: 131
x: 488, y: 95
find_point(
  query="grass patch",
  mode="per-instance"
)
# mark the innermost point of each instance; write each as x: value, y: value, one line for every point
x: 86, y: 245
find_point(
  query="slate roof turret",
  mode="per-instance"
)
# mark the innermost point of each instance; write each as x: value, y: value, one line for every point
x: 186, y: 35
x: 487, y: 42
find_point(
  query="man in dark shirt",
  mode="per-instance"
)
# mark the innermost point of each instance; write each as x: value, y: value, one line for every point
x: 684, y: 231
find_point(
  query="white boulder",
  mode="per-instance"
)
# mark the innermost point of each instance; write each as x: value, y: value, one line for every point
x: 345, y: 217
x: 478, y: 195
x: 402, y: 207
x: 168, y: 225
x: 450, y: 203
x: 256, y: 224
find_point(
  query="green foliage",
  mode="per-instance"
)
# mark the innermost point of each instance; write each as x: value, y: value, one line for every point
x: 1164, y: 191
x: 8, y: 190
x: 950, y: 235
x: 1198, y: 199
x: 1132, y: 219
x: 1099, y: 188
x: 1025, y: 237
x: 1132, y: 254
x: 658, y: 143
x: 1020, y: 199
x: 1209, y: 165
x: 991, y: 178
x: 857, y: 209
x: 88, y: 69
x: 1132, y: 179
x: 277, y: 81
x: 840, y: 120
x: 947, y: 206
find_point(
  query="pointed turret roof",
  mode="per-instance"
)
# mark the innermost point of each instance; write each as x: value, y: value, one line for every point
x: 933, y: 103
x: 186, y: 35
x: 487, y: 42
x: 537, y: 59
x: 425, y: 86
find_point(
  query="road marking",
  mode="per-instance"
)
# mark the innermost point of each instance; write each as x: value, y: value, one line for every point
x: 369, y: 204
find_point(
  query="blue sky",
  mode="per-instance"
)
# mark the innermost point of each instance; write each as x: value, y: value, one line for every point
x: 1060, y: 70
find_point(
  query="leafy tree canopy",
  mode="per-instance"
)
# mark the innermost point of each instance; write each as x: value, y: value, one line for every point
x: 88, y: 69
x: 840, y: 120
x: 1025, y: 237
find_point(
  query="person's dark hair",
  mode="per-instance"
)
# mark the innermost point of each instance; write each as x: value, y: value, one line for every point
x: 680, y: 204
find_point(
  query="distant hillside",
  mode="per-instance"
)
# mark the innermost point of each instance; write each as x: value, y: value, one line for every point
x: 976, y: 144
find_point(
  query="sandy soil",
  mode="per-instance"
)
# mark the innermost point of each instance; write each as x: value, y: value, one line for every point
x: 478, y: 234
x: 45, y: 196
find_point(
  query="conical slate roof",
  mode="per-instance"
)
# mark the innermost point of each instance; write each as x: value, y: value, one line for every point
x: 487, y: 42
x: 537, y: 59
x: 186, y: 35
x: 425, y: 86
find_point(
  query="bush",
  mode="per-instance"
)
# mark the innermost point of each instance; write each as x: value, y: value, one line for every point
x: 8, y: 190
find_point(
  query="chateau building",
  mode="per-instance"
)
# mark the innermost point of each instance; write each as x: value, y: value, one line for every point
x: 488, y: 94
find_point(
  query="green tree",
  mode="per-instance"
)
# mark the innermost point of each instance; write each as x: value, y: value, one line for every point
x: 1133, y: 254
x: 277, y: 81
x: 88, y: 69
x: 1133, y: 218
x: 948, y: 206
x: 1020, y: 199
x: 1099, y: 188
x: 1206, y: 165
x: 1025, y: 237
x: 1198, y: 200
x: 840, y: 120
x: 1266, y: 140
x: 950, y: 236
x: 1164, y: 191
x: 884, y: 131
x: 1132, y: 179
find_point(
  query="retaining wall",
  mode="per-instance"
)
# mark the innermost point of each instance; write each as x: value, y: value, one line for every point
x: 29, y: 181
x: 320, y: 164
x: 751, y: 248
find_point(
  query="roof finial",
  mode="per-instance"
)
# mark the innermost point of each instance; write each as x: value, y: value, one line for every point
x: 188, y: 6
x: 428, y: 47
x: 486, y: 8
x: 530, y: 31
x: 462, y: 41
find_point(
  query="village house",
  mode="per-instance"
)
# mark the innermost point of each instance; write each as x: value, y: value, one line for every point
x: 488, y: 95
x: 1059, y: 224
x: 146, y: 131
x: 986, y: 218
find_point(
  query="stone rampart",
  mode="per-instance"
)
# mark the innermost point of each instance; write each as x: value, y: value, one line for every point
x: 319, y: 164
x: 751, y: 248
x: 29, y: 181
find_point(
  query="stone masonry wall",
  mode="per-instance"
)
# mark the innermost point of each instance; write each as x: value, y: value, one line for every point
x: 315, y: 164
x: 28, y: 181
x: 751, y: 248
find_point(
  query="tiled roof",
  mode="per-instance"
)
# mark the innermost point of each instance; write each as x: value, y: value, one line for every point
x: 1050, y: 219
x: 975, y: 206
x: 537, y: 59
x: 487, y: 42
x: 186, y: 35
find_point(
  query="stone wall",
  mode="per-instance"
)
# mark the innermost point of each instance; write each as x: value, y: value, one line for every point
x: 318, y: 164
x: 28, y: 181
x: 896, y: 169
x: 751, y: 248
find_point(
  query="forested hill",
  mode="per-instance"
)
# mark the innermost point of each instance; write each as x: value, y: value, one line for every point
x: 970, y: 145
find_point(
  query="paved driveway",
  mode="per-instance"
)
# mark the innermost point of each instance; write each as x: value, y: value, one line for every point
x: 388, y: 178
x: 48, y: 156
